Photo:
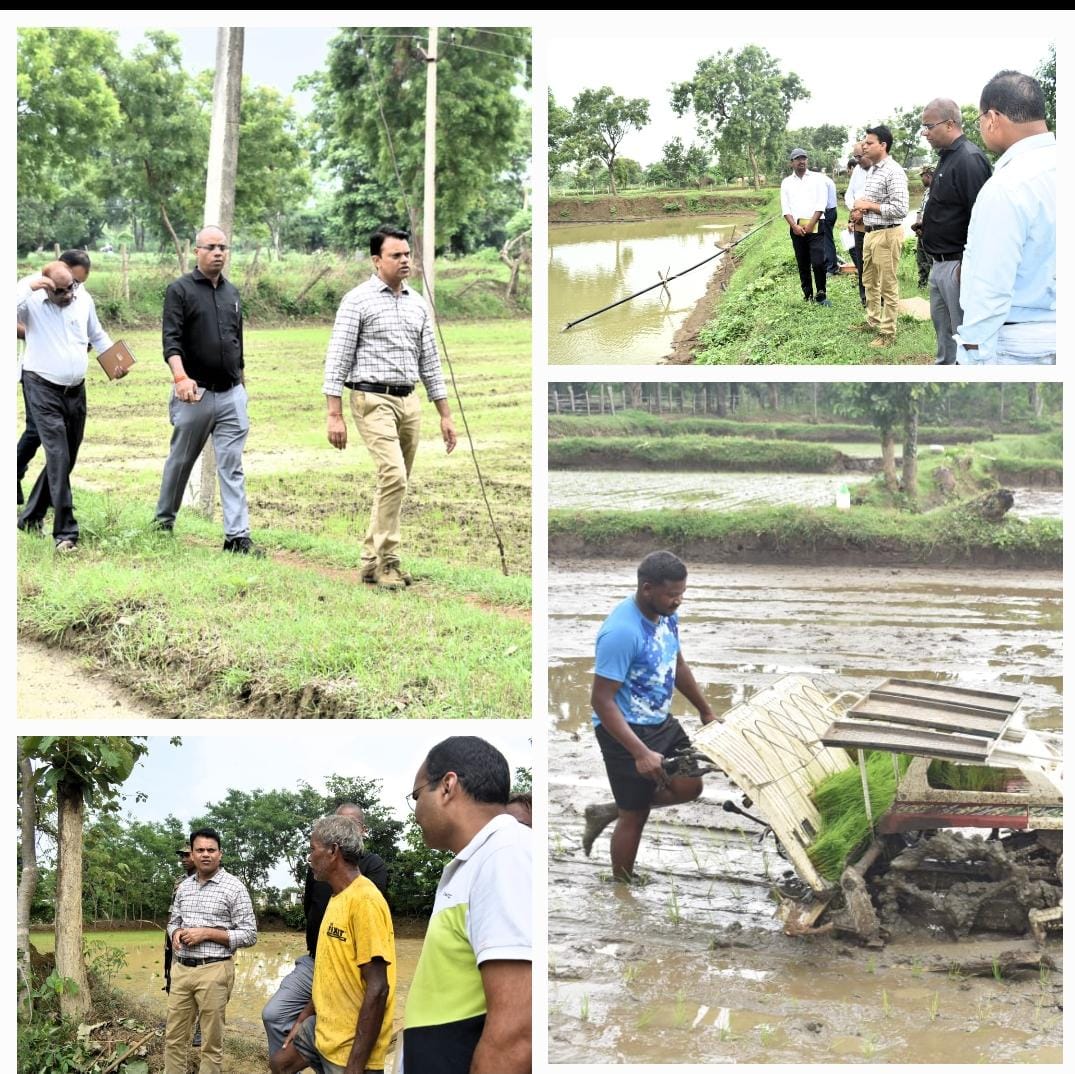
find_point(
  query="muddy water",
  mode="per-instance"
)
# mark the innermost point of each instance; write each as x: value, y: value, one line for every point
x: 690, y: 966
x: 258, y: 969
x: 598, y: 490
x: 1038, y: 503
x: 595, y: 264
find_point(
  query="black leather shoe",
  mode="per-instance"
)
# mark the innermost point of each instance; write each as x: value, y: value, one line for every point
x: 243, y: 546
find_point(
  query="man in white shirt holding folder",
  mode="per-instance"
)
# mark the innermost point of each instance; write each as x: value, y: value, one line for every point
x: 61, y: 321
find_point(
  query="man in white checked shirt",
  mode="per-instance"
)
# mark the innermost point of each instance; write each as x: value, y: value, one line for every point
x: 211, y: 918
x: 382, y: 344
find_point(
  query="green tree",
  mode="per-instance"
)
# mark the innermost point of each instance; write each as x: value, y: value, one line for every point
x: 412, y: 883
x: 1046, y: 75
x: 600, y: 122
x: 375, y: 71
x: 160, y: 155
x: 741, y: 103
x: 907, y: 141
x: 824, y: 145
x: 684, y: 166
x: 562, y: 151
x: 969, y: 113
x: 77, y: 771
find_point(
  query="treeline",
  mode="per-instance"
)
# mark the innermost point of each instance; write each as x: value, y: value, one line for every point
x: 130, y: 866
x: 113, y: 147
x: 634, y: 408
x: 741, y: 102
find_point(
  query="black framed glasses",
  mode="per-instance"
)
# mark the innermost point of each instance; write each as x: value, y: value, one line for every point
x: 412, y: 798
x: 930, y: 126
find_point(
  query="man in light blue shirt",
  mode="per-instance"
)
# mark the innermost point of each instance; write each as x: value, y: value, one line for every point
x: 1008, y: 282
x: 638, y: 667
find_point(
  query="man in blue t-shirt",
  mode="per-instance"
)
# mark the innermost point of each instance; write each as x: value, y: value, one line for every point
x: 639, y: 665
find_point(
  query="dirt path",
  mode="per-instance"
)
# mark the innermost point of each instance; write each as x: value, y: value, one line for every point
x: 686, y: 338
x: 54, y: 684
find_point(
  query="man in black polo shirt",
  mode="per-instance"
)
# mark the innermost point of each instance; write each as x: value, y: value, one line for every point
x: 203, y: 346
x: 961, y: 173
x: 290, y: 999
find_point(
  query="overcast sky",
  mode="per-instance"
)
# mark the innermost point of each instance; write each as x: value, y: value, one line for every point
x: 853, y: 80
x: 276, y: 755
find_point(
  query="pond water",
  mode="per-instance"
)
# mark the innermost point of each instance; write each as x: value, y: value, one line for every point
x: 594, y: 264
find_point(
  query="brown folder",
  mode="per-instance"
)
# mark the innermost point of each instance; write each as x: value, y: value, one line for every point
x: 117, y: 360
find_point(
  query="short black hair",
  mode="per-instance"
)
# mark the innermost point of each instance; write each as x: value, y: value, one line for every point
x: 205, y: 833
x: 482, y: 769
x: 76, y: 259
x: 660, y: 567
x: 385, y: 231
x: 1014, y: 95
x: 882, y: 134
x: 926, y: 169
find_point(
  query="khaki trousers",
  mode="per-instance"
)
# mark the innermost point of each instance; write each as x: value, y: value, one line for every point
x: 391, y: 426
x: 197, y: 991
x: 880, y: 277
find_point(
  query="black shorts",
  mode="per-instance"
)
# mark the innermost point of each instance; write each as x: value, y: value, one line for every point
x: 631, y: 790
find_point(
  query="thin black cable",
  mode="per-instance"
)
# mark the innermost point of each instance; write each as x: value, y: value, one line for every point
x: 440, y: 335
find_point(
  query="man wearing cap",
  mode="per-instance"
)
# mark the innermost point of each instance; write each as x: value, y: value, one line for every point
x: 382, y: 343
x: 882, y: 209
x: 803, y: 198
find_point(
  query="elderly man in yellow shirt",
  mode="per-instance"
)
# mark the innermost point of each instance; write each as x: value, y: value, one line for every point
x: 347, y: 1025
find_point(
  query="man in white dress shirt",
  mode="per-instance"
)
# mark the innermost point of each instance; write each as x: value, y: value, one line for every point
x: 61, y: 320
x: 802, y: 201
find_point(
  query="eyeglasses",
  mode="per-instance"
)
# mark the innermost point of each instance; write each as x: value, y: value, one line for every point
x: 221, y: 246
x: 61, y: 292
x: 981, y: 114
x: 412, y: 798
x: 930, y: 126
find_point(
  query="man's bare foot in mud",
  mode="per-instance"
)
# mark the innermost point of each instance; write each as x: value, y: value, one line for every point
x: 598, y: 818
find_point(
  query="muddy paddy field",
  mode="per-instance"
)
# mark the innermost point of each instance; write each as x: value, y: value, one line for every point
x: 690, y: 965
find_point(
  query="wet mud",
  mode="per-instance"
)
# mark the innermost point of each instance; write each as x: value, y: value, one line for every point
x: 690, y: 965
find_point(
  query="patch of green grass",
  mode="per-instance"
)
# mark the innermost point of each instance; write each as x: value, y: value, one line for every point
x: 763, y: 319
x: 692, y: 453
x: 642, y: 423
x: 189, y: 627
x: 947, y: 534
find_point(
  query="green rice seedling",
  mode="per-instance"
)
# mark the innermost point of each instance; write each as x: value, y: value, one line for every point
x: 1045, y: 978
x: 765, y: 1033
x: 886, y: 1007
x: 998, y: 972
x: 871, y: 964
x: 955, y: 973
x: 645, y: 1018
x: 917, y: 969
x: 680, y: 1014
x: 673, y: 906
x: 844, y: 825
x: 630, y: 973
x: 934, y: 1007
x: 869, y: 1047
x: 584, y: 1008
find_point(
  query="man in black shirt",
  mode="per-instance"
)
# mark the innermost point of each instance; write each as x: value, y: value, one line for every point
x: 961, y: 173
x: 296, y: 988
x: 203, y: 346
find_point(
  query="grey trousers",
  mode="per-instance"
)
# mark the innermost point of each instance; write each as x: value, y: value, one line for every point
x: 279, y: 1014
x: 944, y: 308
x: 221, y: 415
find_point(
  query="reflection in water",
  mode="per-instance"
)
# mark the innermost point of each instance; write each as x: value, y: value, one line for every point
x: 744, y: 626
x: 593, y: 265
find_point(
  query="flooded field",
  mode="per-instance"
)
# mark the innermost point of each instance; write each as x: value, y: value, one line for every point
x: 690, y: 966
x: 592, y: 265
x: 258, y: 970
x: 610, y: 490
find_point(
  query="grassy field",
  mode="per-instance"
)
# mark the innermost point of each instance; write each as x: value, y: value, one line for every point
x: 732, y: 453
x: 763, y: 320
x: 191, y: 629
x: 640, y: 423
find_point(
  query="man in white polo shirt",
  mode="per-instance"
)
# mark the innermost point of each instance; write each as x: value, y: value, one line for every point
x: 468, y: 1009
x: 803, y: 197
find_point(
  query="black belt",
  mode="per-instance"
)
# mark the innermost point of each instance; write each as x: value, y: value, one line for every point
x: 183, y: 961
x: 882, y: 227
x: 218, y: 388
x: 379, y: 389
x: 66, y: 389
x: 946, y: 257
